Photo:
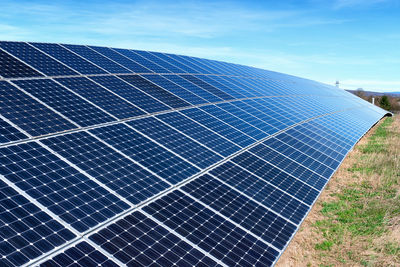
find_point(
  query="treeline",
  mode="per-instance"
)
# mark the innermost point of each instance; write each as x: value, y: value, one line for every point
x: 390, y: 103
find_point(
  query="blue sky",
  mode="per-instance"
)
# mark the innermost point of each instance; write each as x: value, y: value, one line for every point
x: 354, y: 41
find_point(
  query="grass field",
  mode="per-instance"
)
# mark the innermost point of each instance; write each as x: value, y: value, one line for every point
x: 356, y: 221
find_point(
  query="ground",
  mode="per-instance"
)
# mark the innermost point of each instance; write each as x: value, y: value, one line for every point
x: 356, y: 220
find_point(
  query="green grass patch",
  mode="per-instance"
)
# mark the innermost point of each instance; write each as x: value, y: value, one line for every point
x: 360, y: 211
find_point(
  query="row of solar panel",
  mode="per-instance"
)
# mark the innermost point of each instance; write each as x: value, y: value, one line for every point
x: 45, y: 106
x: 68, y: 60
x: 89, y: 177
x: 63, y: 60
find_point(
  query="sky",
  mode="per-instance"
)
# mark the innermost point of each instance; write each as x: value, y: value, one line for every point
x: 356, y: 42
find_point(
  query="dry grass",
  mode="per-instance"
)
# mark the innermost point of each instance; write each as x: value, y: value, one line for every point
x: 356, y: 220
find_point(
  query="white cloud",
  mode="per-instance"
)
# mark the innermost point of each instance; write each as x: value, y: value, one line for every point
x: 339, y: 4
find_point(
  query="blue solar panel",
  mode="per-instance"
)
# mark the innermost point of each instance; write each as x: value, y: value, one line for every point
x: 166, y: 65
x: 154, y: 159
x: 130, y: 93
x: 36, y: 59
x: 261, y: 190
x: 11, y: 67
x: 81, y: 255
x: 68, y: 58
x: 239, y: 208
x: 175, y: 62
x: 9, y: 133
x: 26, y: 231
x: 277, y: 177
x: 131, y: 54
x: 155, y: 91
x: 193, y: 88
x: 210, y: 80
x: 75, y: 198
x: 211, y: 232
x: 175, y: 89
x: 234, y: 122
x: 207, y: 87
x: 120, y: 59
x: 136, y: 240
x: 146, y: 152
x: 107, y: 166
x: 290, y: 166
x: 97, y: 59
x: 28, y: 114
x: 309, y: 161
x: 65, y: 102
x: 176, y: 141
x: 101, y: 97
x: 189, y: 63
x: 200, y: 133
x: 216, y: 125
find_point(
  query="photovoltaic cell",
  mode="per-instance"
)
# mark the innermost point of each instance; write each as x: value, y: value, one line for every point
x: 36, y: 59
x: 101, y: 97
x: 160, y: 62
x: 28, y: 114
x: 193, y: 88
x: 207, y: 87
x: 9, y: 133
x: 242, y: 210
x: 232, y: 134
x: 66, y: 192
x: 136, y: 240
x: 26, y: 231
x: 261, y: 191
x: 199, y: 133
x: 210, y: 80
x: 97, y: 59
x: 130, y: 93
x: 289, y: 165
x: 277, y: 177
x: 234, y: 121
x: 173, y: 61
x: 120, y: 59
x: 65, y: 102
x: 177, y: 142
x: 11, y: 67
x: 175, y: 89
x: 211, y: 232
x: 155, y: 91
x: 107, y: 166
x: 81, y: 255
x: 146, y: 152
x: 68, y: 58
x: 300, y: 157
x: 131, y: 54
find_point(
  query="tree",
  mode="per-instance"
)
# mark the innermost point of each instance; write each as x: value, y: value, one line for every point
x: 385, y: 103
x: 360, y: 93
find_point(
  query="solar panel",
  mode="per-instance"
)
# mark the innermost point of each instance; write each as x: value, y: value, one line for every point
x: 155, y: 91
x: 35, y: 58
x: 68, y: 58
x: 29, y: 114
x: 10, y: 67
x: 130, y: 93
x: 113, y: 157
x: 65, y: 102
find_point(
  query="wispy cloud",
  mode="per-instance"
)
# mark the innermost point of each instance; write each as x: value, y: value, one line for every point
x: 339, y: 4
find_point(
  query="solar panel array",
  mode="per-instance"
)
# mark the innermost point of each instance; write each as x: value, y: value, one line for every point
x: 116, y: 157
